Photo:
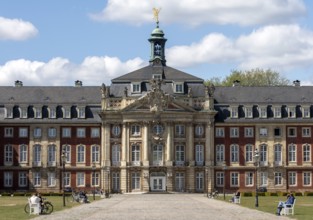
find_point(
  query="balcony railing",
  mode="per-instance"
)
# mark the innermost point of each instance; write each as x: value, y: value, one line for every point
x: 135, y: 163
x: 158, y: 163
x: 51, y: 164
x: 37, y: 164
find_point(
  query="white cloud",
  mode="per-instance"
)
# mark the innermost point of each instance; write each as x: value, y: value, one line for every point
x: 16, y: 29
x: 61, y: 72
x: 280, y: 47
x: 197, y: 12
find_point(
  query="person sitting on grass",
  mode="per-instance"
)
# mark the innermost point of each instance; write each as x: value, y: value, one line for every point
x: 290, y: 200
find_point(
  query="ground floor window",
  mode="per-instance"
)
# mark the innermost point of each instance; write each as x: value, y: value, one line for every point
x: 135, y: 180
x: 292, y: 178
x: 80, y: 179
x: 37, y: 179
x: 22, y: 179
x: 199, y: 181
x: 180, y: 182
x: 116, y: 182
x: 51, y: 179
x: 278, y: 178
x: 66, y: 179
x: 219, y: 178
x: 8, y: 179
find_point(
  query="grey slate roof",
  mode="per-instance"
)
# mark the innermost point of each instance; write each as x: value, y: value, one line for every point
x: 145, y: 74
x: 50, y: 95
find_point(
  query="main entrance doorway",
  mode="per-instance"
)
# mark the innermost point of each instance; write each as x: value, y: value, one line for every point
x: 158, y: 181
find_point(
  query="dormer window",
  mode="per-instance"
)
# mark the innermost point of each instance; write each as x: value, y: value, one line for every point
x: 81, y: 112
x: 292, y: 112
x: 136, y: 87
x: 306, y: 112
x: 52, y: 112
x: 66, y: 112
x: 9, y: 112
x: 37, y: 112
x: 263, y: 112
x: 233, y: 111
x: 157, y: 76
x: 23, y: 112
x: 277, y: 112
x: 248, y: 112
x: 179, y: 87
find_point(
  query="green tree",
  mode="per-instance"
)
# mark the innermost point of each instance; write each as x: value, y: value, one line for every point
x: 253, y: 77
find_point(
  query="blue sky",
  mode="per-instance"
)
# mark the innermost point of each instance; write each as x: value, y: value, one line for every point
x: 58, y: 42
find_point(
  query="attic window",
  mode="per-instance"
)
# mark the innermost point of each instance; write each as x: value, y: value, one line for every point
x: 9, y: 112
x: 157, y: 76
x: 179, y: 87
x: 136, y: 87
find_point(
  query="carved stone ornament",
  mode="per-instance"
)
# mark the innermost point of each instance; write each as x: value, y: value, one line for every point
x: 156, y: 98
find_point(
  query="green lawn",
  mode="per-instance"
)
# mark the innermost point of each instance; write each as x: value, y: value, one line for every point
x: 303, y: 208
x: 12, y: 208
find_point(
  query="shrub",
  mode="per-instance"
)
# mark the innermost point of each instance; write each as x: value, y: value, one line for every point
x: 247, y: 194
x: 308, y: 193
x: 273, y: 194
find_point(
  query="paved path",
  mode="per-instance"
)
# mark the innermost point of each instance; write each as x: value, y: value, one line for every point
x: 160, y: 207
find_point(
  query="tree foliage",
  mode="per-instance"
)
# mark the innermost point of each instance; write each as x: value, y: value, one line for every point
x: 253, y: 77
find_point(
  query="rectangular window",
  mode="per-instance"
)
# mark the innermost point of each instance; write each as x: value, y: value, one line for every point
x: 291, y: 112
x: 116, y: 182
x: 23, y: 132
x: 23, y: 153
x: 306, y: 178
x: 37, y: 155
x: 52, y: 132
x: 22, y: 179
x: 278, y: 178
x: 81, y: 132
x: 306, y: 132
x: 37, y: 179
x: 52, y: 112
x: 157, y: 76
x: 277, y: 132
x: 277, y: 154
x: 8, y: 179
x: 292, y: 177
x: 219, y: 132
x: 95, y: 153
x: 234, y: 179
x: 136, y: 153
x: 234, y: 153
x: 234, y: 112
x: 136, y: 87
x: 135, y: 180
x: 199, y: 155
x: 51, y: 155
x: 234, y: 132
x: 249, y: 132
x: 37, y: 132
x: 67, y: 151
x: 292, y: 132
x: 95, y: 179
x: 220, y: 153
x: 249, y: 178
x: 8, y: 155
x: 199, y: 181
x: 249, y: 153
x: 23, y: 112
x: 135, y: 130
x: 263, y: 112
x: 9, y: 112
x: 67, y: 112
x: 263, y: 132
x: 81, y: 112
x: 51, y: 179
x: 263, y: 179
x: 66, y: 132
x: 8, y: 132
x: 95, y: 132
x: 180, y: 130
x: 80, y: 154
x: 220, y: 178
x: 179, y: 182
x: 248, y: 112
x: 263, y: 155
x: 306, y: 153
x: 180, y: 155
x: 306, y: 112
x: 116, y: 154
x: 38, y: 113
x: 292, y: 149
x: 277, y: 112
x: 80, y: 179
x: 179, y: 88
x: 67, y: 179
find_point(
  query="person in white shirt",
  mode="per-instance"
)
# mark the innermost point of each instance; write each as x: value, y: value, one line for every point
x: 34, y: 199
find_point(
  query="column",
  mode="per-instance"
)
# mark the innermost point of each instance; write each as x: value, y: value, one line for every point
x: 145, y: 143
x: 169, y: 144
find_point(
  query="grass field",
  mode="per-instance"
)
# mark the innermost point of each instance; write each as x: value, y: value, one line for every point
x: 303, y: 208
x: 12, y: 208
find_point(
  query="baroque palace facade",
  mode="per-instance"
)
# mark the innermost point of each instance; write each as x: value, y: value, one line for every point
x: 155, y: 129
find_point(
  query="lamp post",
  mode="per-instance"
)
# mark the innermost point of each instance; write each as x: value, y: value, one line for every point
x: 224, y: 182
x: 256, y: 159
x: 63, y: 160
x: 207, y: 183
x: 107, y: 194
x: 94, y: 179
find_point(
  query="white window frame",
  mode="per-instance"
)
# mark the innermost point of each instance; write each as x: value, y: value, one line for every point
x: 199, y: 154
x: 116, y: 130
x: 263, y: 151
x: 67, y: 150
x: 22, y: 179
x: 8, y: 154
x: 23, y: 112
x: 307, y: 178
x: 37, y: 150
x: 292, y: 112
x: 95, y: 153
x: 306, y: 132
x: 306, y: 112
x: 306, y: 153
x: 135, y: 130
x: 249, y: 152
x: 248, y: 112
x: 66, y: 132
x: 81, y: 153
x: 157, y: 154
x: 263, y: 179
x: 81, y: 112
x: 95, y: 132
x: 292, y: 132
x: 81, y: 132
x: 235, y: 179
x: 234, y: 132
x: 52, y: 132
x: 37, y: 132
x: 9, y: 112
x: 52, y: 112
x: 220, y: 177
x: 95, y: 179
x: 37, y: 179
x: 199, y: 130
x: 234, y: 153
x: 278, y: 179
x: 219, y: 132
x: 37, y: 112
x: 52, y: 154
x: 67, y: 179
x: 116, y: 154
x: 157, y: 76
x: 80, y: 179
x: 233, y: 111
x: 23, y: 153
x: 180, y: 130
x: 135, y: 181
x: 277, y: 111
x: 8, y: 179
x: 292, y: 153
x: 66, y: 112
x: 136, y: 153
x: 249, y: 177
x: 278, y: 154
x: 249, y: 132
x: 136, y: 87
x: 180, y: 154
x: 263, y: 132
x: 23, y: 132
x: 116, y: 181
x: 262, y: 111
x: 199, y: 181
x: 292, y: 178
x: 8, y: 132
x: 179, y: 87
x: 51, y: 179
x: 220, y: 153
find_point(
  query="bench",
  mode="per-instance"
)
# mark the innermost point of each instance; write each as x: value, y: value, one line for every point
x: 289, y: 209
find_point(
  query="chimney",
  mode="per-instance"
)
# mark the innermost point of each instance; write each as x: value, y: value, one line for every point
x: 78, y: 83
x: 236, y: 83
x: 18, y: 83
x: 296, y: 83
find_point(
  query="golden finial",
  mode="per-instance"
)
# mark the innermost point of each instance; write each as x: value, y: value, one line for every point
x: 156, y: 12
